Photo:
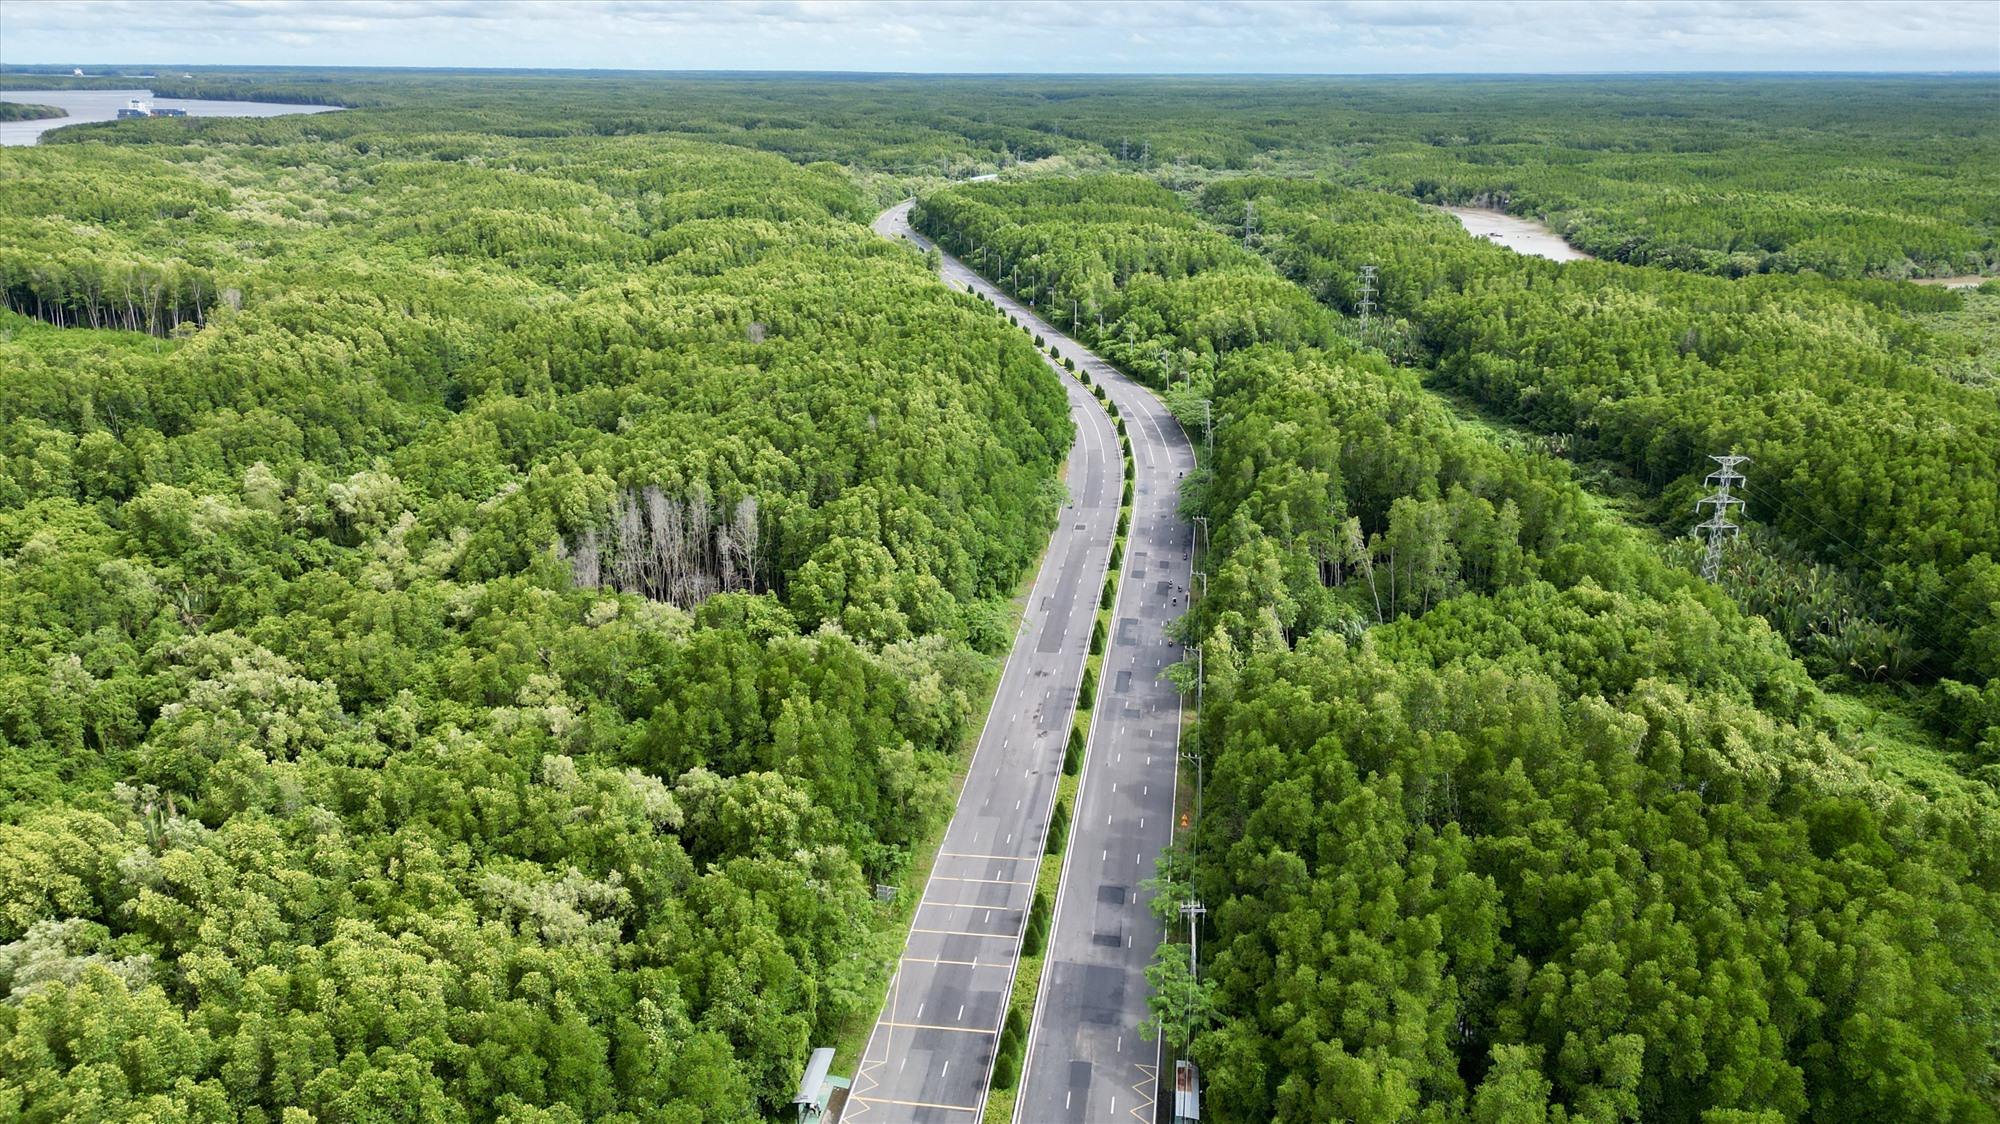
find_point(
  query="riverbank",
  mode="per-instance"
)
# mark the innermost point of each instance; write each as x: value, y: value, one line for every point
x: 85, y: 106
x: 1525, y: 236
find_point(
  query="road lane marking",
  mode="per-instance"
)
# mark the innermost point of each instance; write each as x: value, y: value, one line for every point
x: 927, y: 1026
x: 951, y: 963
x: 1000, y: 858
x: 1148, y: 1087
x: 956, y: 933
x: 912, y: 1104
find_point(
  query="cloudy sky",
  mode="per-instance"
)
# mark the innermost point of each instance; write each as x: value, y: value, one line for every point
x: 1191, y: 36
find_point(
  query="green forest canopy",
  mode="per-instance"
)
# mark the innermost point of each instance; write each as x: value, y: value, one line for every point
x: 474, y: 662
x: 494, y: 574
x: 1508, y: 818
x: 1732, y: 174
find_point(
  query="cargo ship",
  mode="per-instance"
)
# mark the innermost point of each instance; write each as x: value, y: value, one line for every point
x: 139, y: 108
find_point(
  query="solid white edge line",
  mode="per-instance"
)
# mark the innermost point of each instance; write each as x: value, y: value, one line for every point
x: 1097, y: 711
x: 1101, y: 419
x: 1050, y: 565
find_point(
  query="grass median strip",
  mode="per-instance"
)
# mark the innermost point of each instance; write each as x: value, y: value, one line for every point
x: 1010, y: 1052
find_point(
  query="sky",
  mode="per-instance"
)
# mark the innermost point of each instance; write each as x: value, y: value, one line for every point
x: 1015, y: 36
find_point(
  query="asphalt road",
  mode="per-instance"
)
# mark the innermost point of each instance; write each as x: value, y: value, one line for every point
x: 929, y: 1058
x: 1086, y: 1060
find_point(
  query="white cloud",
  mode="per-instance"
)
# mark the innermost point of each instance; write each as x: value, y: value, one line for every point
x: 1291, y: 36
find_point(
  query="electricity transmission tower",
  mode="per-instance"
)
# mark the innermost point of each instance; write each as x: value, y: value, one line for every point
x: 1718, y: 527
x: 1249, y: 220
x: 1367, y: 305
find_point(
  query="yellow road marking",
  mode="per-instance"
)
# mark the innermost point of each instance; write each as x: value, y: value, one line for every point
x: 951, y: 963
x: 930, y: 1026
x: 914, y: 1104
x: 1147, y: 1087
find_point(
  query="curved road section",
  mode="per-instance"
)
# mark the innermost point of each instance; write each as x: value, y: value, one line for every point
x: 930, y: 1055
x: 1086, y: 1060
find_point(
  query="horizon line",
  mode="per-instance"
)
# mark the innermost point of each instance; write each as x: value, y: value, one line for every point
x: 38, y: 67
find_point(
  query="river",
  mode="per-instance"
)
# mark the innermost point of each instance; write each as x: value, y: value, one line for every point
x: 1521, y: 235
x: 103, y: 105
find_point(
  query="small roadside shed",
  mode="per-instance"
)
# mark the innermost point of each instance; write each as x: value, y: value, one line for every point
x: 818, y: 1087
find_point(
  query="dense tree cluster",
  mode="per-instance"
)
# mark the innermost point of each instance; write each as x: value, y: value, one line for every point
x: 29, y: 111
x: 1841, y: 175
x: 476, y: 668
x: 1121, y: 262
x: 1863, y: 454
x: 491, y: 577
x: 1508, y: 817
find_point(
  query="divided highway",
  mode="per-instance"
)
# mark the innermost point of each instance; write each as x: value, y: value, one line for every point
x: 930, y: 1056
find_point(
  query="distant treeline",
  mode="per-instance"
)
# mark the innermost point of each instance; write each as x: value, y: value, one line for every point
x: 1845, y: 176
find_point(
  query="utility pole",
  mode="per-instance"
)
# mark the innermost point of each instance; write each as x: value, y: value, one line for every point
x: 1203, y: 520
x: 1367, y: 306
x: 1192, y: 910
x: 1718, y: 527
x: 1200, y: 681
x: 1195, y: 756
x: 1249, y: 220
x: 1208, y: 425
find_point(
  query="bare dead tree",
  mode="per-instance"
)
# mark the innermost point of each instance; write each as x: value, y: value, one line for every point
x: 745, y: 536
x: 671, y: 550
